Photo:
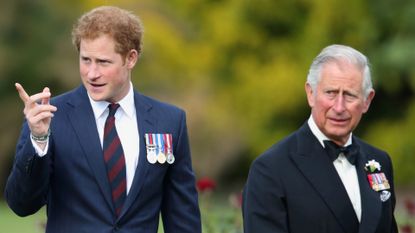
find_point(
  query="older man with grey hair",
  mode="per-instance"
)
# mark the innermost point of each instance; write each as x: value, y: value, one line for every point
x: 322, y: 178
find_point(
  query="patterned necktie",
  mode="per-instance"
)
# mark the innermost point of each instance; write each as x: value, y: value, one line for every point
x: 115, y: 161
x: 334, y: 150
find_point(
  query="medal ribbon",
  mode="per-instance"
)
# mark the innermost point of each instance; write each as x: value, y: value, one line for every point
x: 149, y: 139
x: 167, y: 145
x: 160, y: 143
x: 170, y: 138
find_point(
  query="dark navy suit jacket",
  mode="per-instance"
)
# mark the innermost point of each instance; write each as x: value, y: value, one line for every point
x: 294, y: 187
x: 71, y: 178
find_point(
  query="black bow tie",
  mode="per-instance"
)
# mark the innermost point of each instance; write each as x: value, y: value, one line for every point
x: 334, y: 150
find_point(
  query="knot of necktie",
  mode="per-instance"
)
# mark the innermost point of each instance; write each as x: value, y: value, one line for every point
x: 334, y: 151
x: 113, y: 108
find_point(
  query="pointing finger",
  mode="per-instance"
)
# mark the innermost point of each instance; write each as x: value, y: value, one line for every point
x: 22, y: 93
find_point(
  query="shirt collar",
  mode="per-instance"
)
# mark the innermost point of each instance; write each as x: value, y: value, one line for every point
x: 126, y: 104
x: 319, y: 135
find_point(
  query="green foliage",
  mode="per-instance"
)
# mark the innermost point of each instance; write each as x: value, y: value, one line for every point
x: 11, y: 223
x: 398, y: 141
x: 219, y: 216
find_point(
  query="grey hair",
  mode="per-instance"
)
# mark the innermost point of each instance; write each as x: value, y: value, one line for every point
x: 337, y: 53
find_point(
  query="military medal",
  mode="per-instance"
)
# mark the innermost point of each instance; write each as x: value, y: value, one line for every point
x: 378, y: 181
x: 159, y: 148
x: 151, y: 149
x: 170, y: 158
x: 161, y: 157
x: 385, y: 195
x: 168, y: 148
x: 152, y: 157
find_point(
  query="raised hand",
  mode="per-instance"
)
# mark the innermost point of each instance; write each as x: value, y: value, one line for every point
x: 37, y: 110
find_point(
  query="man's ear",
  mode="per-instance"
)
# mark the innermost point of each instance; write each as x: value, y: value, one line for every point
x: 310, y: 94
x: 368, y: 101
x: 131, y: 58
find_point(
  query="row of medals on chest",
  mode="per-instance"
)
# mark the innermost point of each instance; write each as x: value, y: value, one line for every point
x: 160, y: 155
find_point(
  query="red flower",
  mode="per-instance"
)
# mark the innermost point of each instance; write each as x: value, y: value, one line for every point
x: 406, y: 229
x: 205, y: 184
x: 410, y: 206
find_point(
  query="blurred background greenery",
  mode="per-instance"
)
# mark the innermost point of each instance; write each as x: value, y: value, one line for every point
x: 237, y: 67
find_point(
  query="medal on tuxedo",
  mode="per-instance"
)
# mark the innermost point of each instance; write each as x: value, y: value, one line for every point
x: 378, y: 181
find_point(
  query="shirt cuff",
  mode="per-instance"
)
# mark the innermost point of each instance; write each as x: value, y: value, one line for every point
x: 39, y: 150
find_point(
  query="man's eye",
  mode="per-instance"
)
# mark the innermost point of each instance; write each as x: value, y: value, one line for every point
x: 331, y: 93
x: 103, y: 62
x: 350, y: 97
x: 85, y: 60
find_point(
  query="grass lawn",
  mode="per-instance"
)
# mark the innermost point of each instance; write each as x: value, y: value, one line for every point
x: 11, y: 223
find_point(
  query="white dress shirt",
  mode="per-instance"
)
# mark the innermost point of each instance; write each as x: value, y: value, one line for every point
x: 127, y: 129
x: 344, y: 168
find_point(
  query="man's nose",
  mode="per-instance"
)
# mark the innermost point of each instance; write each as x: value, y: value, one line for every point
x: 93, y: 71
x: 339, y: 104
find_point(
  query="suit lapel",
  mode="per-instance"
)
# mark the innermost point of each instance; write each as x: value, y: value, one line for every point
x: 83, y: 122
x: 371, y: 204
x: 146, y: 123
x: 312, y: 161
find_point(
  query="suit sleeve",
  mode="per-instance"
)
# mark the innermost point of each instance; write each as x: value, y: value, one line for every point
x: 28, y: 183
x: 264, y: 206
x: 180, y: 209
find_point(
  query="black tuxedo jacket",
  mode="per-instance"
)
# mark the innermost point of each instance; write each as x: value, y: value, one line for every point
x: 294, y: 187
x: 71, y: 178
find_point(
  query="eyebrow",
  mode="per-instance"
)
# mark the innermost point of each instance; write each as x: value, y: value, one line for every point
x: 96, y: 59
